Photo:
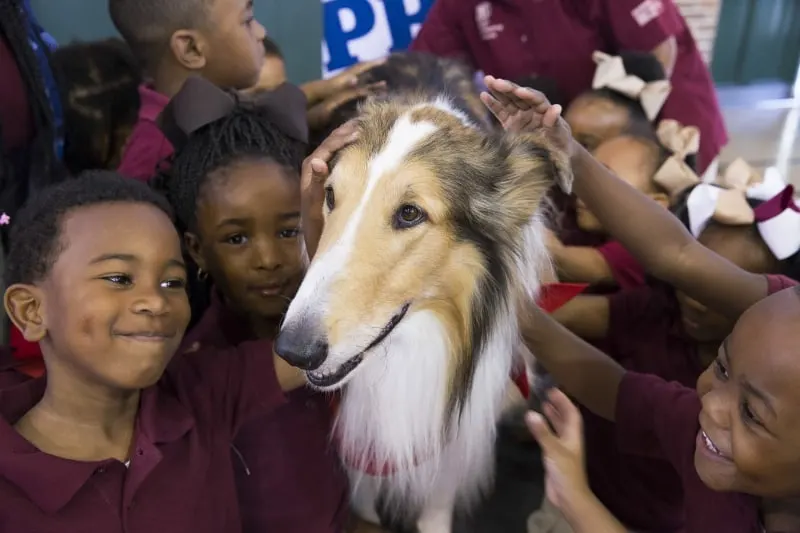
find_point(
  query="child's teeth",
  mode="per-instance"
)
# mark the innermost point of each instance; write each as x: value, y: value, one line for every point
x: 709, y: 444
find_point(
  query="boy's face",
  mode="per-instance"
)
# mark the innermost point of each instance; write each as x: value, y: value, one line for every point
x: 235, y: 51
x: 113, y: 309
x: 631, y: 160
x: 273, y: 74
x: 249, y: 239
x: 594, y: 120
x: 750, y: 422
x: 742, y: 246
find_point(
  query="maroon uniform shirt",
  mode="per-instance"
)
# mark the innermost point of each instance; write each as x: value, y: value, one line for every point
x: 646, y: 336
x: 659, y: 419
x: 556, y: 38
x: 627, y: 271
x: 288, y: 475
x: 180, y: 478
x: 147, y: 148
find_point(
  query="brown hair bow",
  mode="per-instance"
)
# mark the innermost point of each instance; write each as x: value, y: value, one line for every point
x: 200, y: 102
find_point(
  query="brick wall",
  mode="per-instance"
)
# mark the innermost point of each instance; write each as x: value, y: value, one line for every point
x: 702, y: 17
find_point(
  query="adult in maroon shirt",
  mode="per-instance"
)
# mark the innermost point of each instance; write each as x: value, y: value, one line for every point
x: 555, y: 39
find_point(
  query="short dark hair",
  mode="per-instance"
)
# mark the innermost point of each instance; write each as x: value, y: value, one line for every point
x: 148, y: 25
x: 100, y: 88
x: 243, y: 134
x: 36, y: 229
x: 271, y: 48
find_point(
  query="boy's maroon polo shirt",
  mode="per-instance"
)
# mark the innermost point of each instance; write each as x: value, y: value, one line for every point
x: 556, y: 38
x: 659, y: 419
x: 147, y: 148
x: 288, y: 474
x: 180, y: 477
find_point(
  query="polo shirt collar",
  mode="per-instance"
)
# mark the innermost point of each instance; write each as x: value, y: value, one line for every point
x: 152, y: 102
x: 51, y: 482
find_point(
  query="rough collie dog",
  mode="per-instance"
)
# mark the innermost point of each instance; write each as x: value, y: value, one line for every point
x: 433, y: 228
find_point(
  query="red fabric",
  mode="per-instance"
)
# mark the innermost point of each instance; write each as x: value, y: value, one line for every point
x: 28, y: 353
x: 627, y: 271
x: 147, y: 149
x: 556, y: 38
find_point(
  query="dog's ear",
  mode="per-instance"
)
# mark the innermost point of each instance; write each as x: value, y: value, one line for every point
x: 536, y: 164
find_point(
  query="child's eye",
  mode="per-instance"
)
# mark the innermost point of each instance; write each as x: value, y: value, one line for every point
x: 176, y: 283
x: 720, y: 371
x: 237, y: 239
x: 289, y: 233
x: 747, y: 413
x: 119, y: 279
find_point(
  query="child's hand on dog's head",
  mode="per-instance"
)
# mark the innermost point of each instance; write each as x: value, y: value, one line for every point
x: 562, y: 449
x: 521, y: 109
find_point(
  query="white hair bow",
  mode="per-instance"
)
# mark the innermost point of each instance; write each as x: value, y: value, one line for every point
x: 777, y: 219
x: 611, y: 74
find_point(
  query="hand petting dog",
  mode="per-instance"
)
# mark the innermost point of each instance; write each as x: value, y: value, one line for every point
x: 521, y: 110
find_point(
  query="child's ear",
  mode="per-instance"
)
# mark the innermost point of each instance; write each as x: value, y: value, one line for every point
x: 189, y: 49
x: 25, y: 307
x: 192, y: 243
x: 661, y: 199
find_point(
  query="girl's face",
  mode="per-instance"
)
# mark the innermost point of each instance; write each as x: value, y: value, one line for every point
x: 248, y: 236
x: 750, y: 422
x: 632, y: 160
x: 741, y: 246
x: 595, y: 120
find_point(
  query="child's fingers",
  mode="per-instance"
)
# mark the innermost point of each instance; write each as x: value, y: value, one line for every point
x: 541, y: 431
x: 551, y: 116
x: 533, y: 97
x: 570, y: 424
x: 497, y: 109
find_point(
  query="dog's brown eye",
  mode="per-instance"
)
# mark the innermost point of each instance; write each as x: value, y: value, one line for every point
x: 330, y: 199
x: 408, y: 216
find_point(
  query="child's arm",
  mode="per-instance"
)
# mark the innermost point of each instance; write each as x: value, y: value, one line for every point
x: 566, y: 484
x: 585, y: 316
x: 656, y: 238
x: 319, y: 90
x: 582, y: 264
x: 583, y: 371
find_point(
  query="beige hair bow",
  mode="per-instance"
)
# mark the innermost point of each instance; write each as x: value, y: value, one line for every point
x: 726, y: 202
x: 675, y: 175
x: 611, y: 74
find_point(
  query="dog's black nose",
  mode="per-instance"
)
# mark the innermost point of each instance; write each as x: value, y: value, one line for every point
x: 301, y: 347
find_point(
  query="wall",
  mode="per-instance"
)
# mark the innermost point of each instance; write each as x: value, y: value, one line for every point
x: 295, y: 24
x: 702, y: 16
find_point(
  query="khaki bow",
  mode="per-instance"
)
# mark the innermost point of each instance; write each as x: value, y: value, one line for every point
x: 611, y: 74
x: 675, y: 175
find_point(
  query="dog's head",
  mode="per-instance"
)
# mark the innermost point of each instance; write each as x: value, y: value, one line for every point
x: 425, y: 213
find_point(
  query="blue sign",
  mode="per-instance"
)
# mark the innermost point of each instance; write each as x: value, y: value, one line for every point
x: 360, y: 30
